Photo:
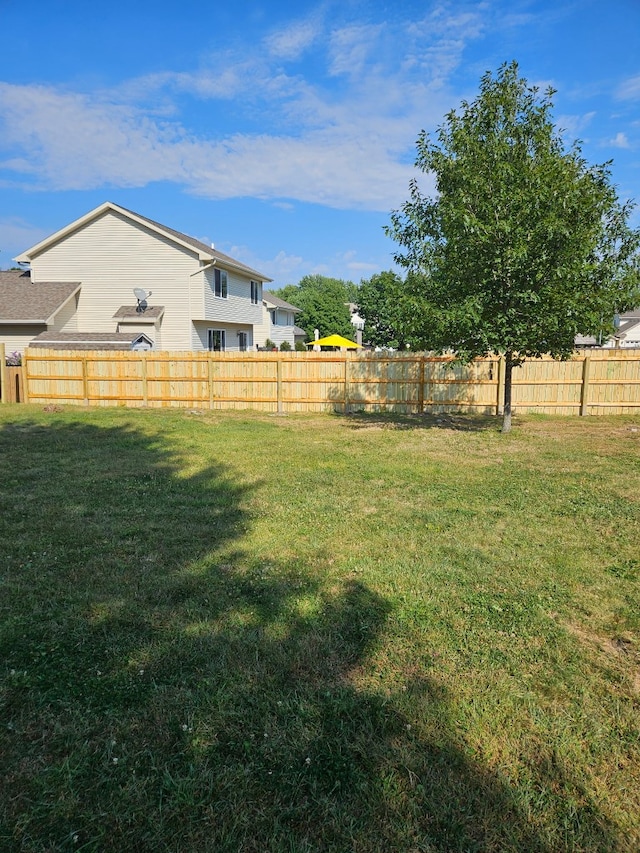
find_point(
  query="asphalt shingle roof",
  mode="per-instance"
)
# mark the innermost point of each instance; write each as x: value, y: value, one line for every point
x: 274, y: 300
x: 85, y: 340
x: 130, y: 312
x: 22, y: 301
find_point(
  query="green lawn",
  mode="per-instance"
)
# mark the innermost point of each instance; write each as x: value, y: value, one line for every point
x: 236, y: 632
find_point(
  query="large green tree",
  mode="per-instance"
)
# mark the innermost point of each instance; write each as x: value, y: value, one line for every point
x: 524, y: 245
x: 379, y: 299
x: 324, y: 304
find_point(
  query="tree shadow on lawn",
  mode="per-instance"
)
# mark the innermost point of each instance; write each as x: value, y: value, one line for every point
x: 163, y: 691
x: 450, y: 421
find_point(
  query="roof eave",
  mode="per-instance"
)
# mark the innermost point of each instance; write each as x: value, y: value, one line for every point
x: 38, y: 322
x: 246, y: 270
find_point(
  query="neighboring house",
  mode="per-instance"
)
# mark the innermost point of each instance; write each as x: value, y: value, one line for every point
x: 195, y: 298
x: 356, y: 321
x: 278, y: 322
x: 627, y: 335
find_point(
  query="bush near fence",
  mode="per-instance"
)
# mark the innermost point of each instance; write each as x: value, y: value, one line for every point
x: 592, y: 382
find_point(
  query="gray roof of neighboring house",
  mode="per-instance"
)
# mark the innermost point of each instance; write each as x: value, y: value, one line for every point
x: 298, y: 331
x: 22, y: 301
x: 85, y: 340
x: 276, y: 302
x: 130, y: 312
x: 627, y: 322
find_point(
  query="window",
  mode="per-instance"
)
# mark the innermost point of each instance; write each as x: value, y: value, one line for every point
x: 242, y: 341
x: 255, y: 292
x: 220, y: 283
x: 216, y: 340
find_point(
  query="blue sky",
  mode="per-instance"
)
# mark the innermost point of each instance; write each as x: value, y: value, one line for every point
x: 284, y: 133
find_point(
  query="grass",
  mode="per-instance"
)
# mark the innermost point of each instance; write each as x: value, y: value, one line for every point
x: 235, y: 632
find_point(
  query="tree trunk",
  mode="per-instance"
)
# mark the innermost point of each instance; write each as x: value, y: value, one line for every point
x: 506, y: 411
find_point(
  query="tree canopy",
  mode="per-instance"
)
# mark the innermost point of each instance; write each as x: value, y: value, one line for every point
x: 524, y: 246
x: 379, y: 306
x: 324, y: 304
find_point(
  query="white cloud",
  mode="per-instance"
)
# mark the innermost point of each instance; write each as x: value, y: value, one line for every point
x: 346, y: 147
x: 73, y: 142
x: 630, y: 89
x: 573, y: 125
x: 291, y: 42
x: 69, y: 141
x: 436, y: 43
x: 620, y: 140
x: 351, y: 48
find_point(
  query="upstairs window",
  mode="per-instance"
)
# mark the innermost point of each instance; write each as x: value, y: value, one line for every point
x: 220, y: 287
x: 255, y: 292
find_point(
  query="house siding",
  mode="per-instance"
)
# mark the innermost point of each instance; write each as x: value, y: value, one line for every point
x: 67, y: 318
x: 110, y: 256
x: 201, y: 327
x: 236, y: 308
x: 280, y: 332
x: 148, y: 329
x: 16, y: 338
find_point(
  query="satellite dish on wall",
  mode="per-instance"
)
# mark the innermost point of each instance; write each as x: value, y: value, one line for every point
x: 142, y: 296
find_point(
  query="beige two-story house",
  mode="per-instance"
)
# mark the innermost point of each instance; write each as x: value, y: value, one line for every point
x: 128, y: 277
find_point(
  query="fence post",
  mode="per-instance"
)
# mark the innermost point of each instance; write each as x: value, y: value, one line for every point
x: 85, y: 382
x: 25, y: 376
x: 584, y: 390
x: 279, y: 383
x: 421, y: 372
x: 346, y: 383
x: 210, y: 378
x: 4, y: 373
x: 145, y: 389
x: 500, y: 397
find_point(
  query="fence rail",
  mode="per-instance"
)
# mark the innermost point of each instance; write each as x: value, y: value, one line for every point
x: 592, y: 382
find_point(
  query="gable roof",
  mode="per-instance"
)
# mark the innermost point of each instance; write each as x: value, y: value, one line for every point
x: 205, y: 253
x: 87, y: 340
x: 276, y: 302
x: 23, y: 302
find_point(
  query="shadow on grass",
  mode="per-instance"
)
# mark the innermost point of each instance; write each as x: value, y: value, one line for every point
x: 164, y: 691
x: 458, y: 422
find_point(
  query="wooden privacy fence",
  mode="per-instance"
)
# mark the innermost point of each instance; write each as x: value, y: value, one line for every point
x: 593, y: 382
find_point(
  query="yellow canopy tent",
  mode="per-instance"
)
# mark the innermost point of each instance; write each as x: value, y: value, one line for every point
x: 334, y: 341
